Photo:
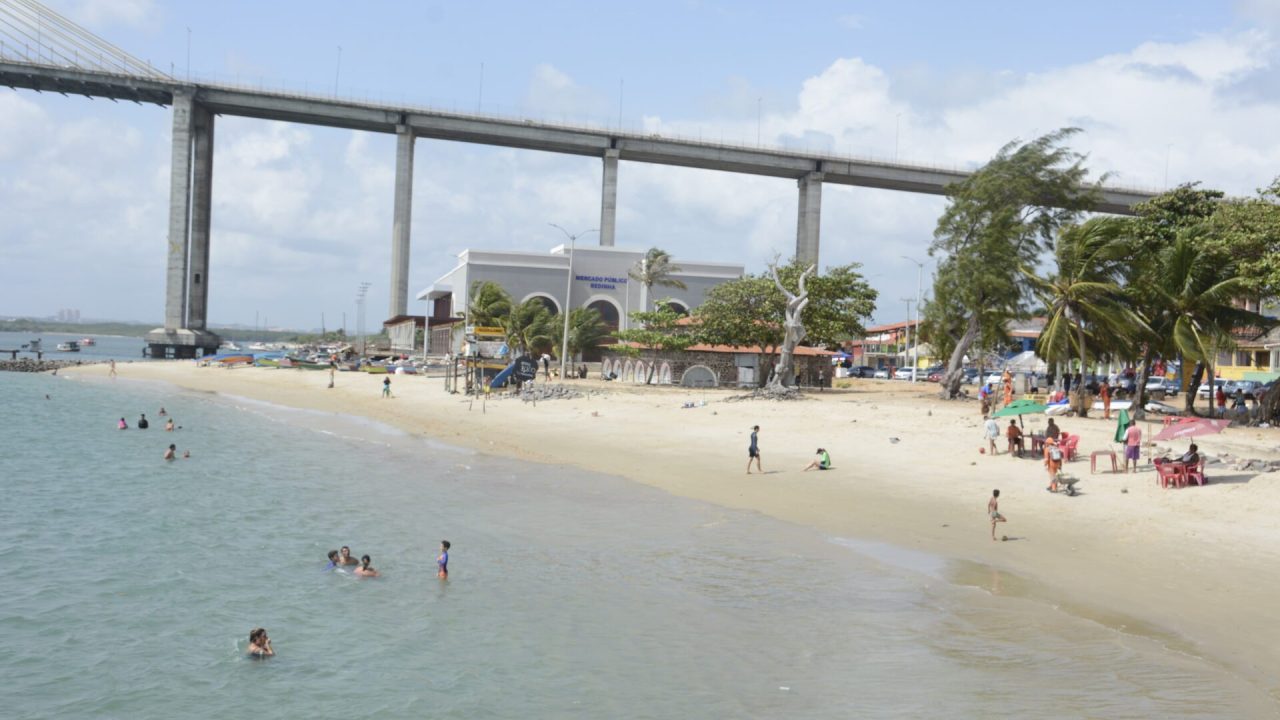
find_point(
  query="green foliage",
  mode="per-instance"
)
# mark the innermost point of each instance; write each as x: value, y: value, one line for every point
x: 586, y: 330
x: 655, y: 268
x: 529, y: 327
x: 489, y: 304
x: 751, y: 310
x: 657, y: 329
x: 998, y: 220
x: 1247, y: 232
x: 945, y: 317
x: 1160, y: 219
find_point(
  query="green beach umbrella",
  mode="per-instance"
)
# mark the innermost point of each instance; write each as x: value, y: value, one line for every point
x: 1020, y: 407
x: 1122, y: 424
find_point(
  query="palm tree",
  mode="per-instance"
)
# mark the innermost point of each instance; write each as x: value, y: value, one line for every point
x: 528, y: 327
x: 1082, y: 297
x: 586, y: 330
x: 1192, y: 295
x: 489, y: 304
x: 654, y: 268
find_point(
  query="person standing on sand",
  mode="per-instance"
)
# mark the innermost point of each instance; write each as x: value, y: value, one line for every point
x: 333, y: 369
x: 1104, y: 393
x: 1007, y: 380
x: 386, y: 387
x: 991, y: 429
x: 1132, y: 446
x: 113, y: 369
x: 753, y: 452
x: 993, y: 510
x: 1052, y: 462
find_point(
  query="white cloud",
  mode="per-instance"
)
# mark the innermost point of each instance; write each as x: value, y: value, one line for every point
x: 100, y: 13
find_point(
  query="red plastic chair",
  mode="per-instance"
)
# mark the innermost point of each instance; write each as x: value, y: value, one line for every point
x: 1196, y: 473
x: 1169, y: 472
x: 1070, y: 446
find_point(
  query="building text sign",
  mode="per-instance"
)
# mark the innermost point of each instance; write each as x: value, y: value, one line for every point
x: 601, y: 282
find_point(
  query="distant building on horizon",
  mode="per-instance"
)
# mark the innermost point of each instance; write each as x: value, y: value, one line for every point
x: 68, y: 315
x: 600, y: 280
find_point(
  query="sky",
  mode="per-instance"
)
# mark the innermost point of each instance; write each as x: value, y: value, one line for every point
x: 1166, y: 92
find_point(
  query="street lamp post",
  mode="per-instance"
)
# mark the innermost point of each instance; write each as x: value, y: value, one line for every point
x: 568, y: 291
x: 908, y: 301
x: 919, y: 301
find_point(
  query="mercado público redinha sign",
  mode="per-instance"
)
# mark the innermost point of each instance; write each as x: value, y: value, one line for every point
x: 601, y: 282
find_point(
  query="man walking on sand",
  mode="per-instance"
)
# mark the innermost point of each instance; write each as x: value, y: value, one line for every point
x: 753, y: 452
x: 991, y: 429
x: 993, y: 510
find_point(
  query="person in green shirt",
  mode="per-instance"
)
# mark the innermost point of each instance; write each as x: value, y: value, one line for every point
x: 823, y: 461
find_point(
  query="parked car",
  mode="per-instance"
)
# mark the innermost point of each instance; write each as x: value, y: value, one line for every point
x: 970, y: 376
x: 1248, y: 387
x: 862, y: 371
x: 935, y: 376
x: 1165, y: 385
x: 881, y: 374
x: 905, y: 374
x: 993, y: 379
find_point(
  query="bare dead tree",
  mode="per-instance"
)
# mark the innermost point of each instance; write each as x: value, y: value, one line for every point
x: 784, y: 372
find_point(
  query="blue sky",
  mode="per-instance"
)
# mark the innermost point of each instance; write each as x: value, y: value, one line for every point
x: 302, y: 215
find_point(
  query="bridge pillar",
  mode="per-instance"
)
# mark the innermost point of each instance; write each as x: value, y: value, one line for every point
x: 201, y: 201
x: 400, y: 222
x: 177, y: 339
x: 809, y: 218
x: 609, y: 198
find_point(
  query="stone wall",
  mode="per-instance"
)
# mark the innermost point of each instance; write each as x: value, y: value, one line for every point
x: 33, y: 365
x: 669, y: 368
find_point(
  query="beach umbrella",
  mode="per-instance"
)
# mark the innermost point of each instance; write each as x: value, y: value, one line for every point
x: 1191, y: 427
x: 1020, y: 407
x: 1122, y: 424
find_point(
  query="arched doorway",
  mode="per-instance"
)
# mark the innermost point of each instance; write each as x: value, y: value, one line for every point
x: 547, y: 301
x: 677, y: 306
x: 699, y: 376
x: 610, y: 315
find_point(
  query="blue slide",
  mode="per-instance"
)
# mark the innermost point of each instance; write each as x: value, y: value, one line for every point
x: 501, y: 378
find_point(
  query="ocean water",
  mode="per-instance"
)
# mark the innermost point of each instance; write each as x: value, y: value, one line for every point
x: 132, y: 584
x: 106, y: 347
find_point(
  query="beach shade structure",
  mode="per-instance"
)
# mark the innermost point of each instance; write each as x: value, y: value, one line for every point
x: 1191, y: 427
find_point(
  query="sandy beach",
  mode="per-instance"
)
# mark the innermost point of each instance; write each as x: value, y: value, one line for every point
x: 1190, y: 567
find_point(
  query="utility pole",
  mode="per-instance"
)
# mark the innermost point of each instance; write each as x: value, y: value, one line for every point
x: 919, y: 304
x: 908, y: 301
x: 568, y: 293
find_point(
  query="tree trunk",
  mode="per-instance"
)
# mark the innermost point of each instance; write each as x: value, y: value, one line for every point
x: 1268, y: 406
x: 1213, y: 390
x: 1189, y: 402
x: 1137, y: 410
x: 784, y: 375
x: 1082, y: 401
x: 955, y: 366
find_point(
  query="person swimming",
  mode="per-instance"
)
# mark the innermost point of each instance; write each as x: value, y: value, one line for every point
x: 442, y: 562
x: 260, y: 644
x: 123, y: 425
x: 168, y: 426
x: 346, y: 558
x: 186, y: 454
x: 142, y: 422
x: 162, y: 412
x: 365, y: 569
x: 171, y: 453
x: 333, y: 560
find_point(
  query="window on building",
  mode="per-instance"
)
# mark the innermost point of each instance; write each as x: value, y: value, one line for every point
x: 1224, y: 358
x: 1244, y: 358
x: 1262, y: 359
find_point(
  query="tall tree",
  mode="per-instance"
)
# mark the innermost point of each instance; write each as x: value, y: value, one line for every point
x: 793, y: 331
x: 655, y: 268
x: 528, y: 327
x: 1083, y: 301
x: 998, y: 220
x: 1196, y: 306
x: 586, y: 330
x: 489, y: 304
x: 1155, y: 228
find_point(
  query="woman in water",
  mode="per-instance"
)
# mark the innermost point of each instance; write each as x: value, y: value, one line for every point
x: 365, y: 569
x: 260, y: 644
x: 123, y: 425
x: 168, y: 426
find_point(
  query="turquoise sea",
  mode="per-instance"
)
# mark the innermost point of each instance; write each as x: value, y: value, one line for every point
x: 132, y: 583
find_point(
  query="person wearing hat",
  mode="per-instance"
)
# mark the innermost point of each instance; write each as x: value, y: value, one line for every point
x: 823, y: 461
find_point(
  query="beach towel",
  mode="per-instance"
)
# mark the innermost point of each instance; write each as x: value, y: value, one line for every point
x: 1122, y: 424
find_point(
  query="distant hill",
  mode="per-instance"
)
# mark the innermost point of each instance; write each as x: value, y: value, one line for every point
x: 28, y: 325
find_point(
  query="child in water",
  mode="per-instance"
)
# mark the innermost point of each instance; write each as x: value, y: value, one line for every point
x: 366, y: 570
x: 443, y: 561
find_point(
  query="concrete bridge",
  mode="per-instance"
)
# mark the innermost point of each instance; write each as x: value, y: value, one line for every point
x: 195, y: 106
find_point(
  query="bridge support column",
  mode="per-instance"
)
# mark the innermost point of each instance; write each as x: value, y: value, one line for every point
x: 609, y: 198
x: 201, y: 201
x: 400, y: 222
x: 179, y: 339
x: 809, y: 218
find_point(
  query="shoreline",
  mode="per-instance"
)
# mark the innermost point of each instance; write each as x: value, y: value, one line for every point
x: 1183, y: 561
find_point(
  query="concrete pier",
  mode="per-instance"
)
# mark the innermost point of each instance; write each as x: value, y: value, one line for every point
x: 400, y: 223
x: 181, y: 338
x: 201, y: 203
x: 609, y: 198
x: 808, y: 218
